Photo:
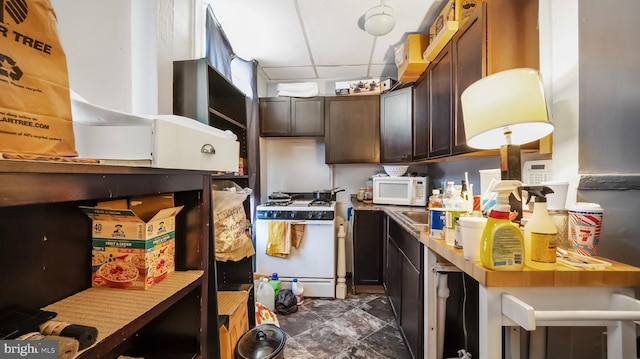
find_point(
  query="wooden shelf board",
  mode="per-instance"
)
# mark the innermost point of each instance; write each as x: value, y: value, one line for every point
x: 110, y: 310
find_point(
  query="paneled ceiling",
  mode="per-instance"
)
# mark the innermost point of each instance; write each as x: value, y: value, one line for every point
x: 319, y: 39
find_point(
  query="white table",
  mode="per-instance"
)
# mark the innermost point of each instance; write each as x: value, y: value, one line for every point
x: 531, y: 299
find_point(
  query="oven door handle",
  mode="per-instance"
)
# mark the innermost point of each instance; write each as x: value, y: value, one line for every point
x: 312, y: 222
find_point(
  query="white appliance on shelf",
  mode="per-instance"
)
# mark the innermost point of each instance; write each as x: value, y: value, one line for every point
x: 404, y: 191
x: 162, y: 141
x: 314, y: 262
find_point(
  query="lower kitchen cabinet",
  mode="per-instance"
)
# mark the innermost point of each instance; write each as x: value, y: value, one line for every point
x: 368, y: 231
x: 404, y: 281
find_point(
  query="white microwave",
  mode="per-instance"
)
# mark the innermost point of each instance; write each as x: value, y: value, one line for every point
x: 404, y: 191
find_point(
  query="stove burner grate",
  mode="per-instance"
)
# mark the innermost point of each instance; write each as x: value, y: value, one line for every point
x: 278, y: 203
x: 319, y: 203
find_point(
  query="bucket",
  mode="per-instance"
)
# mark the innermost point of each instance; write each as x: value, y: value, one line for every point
x: 265, y: 341
x: 471, y: 230
x: 558, y: 199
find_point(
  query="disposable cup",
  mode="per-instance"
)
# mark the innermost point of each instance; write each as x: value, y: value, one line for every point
x: 471, y: 230
x: 585, y: 224
x: 557, y: 199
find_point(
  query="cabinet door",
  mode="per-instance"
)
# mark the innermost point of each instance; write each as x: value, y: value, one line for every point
x: 394, y: 277
x: 307, y: 116
x: 395, y: 126
x: 352, y: 129
x: 440, y: 103
x: 469, y: 64
x: 275, y: 116
x: 411, y: 317
x: 420, y: 119
x: 367, y: 247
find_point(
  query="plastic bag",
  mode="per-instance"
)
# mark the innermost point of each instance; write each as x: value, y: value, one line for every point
x: 286, y: 302
x: 229, y: 223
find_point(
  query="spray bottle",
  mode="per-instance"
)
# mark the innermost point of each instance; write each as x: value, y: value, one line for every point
x: 540, y: 233
x: 501, y: 246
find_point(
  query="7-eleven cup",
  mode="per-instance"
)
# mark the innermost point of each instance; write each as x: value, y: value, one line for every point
x: 585, y: 223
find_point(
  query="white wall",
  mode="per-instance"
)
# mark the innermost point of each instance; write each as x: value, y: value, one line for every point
x: 120, y: 53
x: 559, y: 40
x: 99, y: 54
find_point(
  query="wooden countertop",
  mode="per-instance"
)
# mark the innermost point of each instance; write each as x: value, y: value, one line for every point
x: 617, y: 275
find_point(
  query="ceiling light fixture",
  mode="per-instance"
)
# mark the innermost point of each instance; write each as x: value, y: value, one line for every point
x: 379, y: 20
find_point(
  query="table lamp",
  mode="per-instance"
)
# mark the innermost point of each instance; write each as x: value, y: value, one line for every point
x: 505, y: 110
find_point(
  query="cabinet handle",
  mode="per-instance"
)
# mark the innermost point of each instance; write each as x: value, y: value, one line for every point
x: 209, y: 149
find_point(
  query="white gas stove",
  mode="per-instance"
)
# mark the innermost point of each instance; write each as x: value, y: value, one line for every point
x: 314, y: 261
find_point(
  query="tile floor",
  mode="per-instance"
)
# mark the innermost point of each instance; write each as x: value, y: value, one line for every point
x: 361, y: 326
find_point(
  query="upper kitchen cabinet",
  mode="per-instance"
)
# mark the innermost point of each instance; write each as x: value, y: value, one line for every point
x: 498, y: 36
x: 440, y: 78
x: 352, y: 129
x: 396, y: 115
x: 421, y: 119
x: 202, y: 93
x: 292, y: 117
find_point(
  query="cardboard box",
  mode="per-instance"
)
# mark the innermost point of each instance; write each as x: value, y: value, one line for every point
x: 358, y: 87
x: 409, y: 57
x: 454, y: 10
x: 129, y: 251
x: 450, y: 12
x: 234, y: 304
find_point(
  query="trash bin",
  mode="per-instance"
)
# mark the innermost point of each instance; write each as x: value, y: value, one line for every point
x: 262, y: 342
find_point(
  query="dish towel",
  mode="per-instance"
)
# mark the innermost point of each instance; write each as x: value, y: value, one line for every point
x: 282, y: 236
x: 279, y: 239
x: 297, y: 233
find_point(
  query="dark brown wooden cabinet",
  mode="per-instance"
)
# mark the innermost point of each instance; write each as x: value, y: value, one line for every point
x: 420, y: 131
x: 368, y: 231
x: 440, y: 73
x: 292, y: 117
x: 467, y: 52
x: 404, y: 284
x: 498, y: 35
x: 352, y: 129
x: 396, y: 115
x: 46, y: 253
x: 200, y: 92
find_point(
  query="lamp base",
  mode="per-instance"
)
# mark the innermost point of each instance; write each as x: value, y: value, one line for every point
x: 510, y: 163
x: 511, y: 169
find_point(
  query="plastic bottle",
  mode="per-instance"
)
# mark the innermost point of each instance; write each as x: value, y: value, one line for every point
x: 265, y: 294
x: 435, y: 201
x: 455, y: 207
x: 298, y: 289
x: 502, y: 245
x: 449, y: 192
x: 540, y: 232
x: 275, y: 284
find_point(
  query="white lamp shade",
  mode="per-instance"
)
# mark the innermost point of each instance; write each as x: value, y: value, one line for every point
x: 379, y: 20
x: 508, y: 100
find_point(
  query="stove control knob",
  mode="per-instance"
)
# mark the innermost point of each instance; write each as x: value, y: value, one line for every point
x: 292, y: 215
x: 271, y: 214
x: 310, y: 215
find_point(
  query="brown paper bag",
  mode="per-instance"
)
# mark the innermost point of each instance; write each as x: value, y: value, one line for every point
x: 35, y: 106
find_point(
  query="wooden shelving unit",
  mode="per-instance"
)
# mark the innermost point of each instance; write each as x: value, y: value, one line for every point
x: 46, y: 251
